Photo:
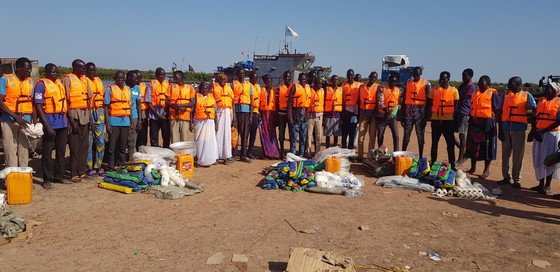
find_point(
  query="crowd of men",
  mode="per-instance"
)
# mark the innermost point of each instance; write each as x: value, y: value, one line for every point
x: 80, y: 111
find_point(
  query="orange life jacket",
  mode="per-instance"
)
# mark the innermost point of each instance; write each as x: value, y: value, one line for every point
x: 302, y: 96
x: 481, y: 103
x: 54, y: 97
x: 546, y: 112
x: 515, y: 107
x: 78, y: 92
x: 415, y: 92
x: 268, y: 100
x: 256, y: 97
x: 443, y: 102
x: 97, y: 92
x: 390, y: 98
x: 223, y: 95
x: 242, y: 92
x: 18, y: 94
x: 350, y: 93
x: 317, y: 100
x: 120, y: 101
x: 205, y: 107
x: 283, y: 93
x: 333, y: 99
x: 159, y: 92
x: 181, y: 95
x: 368, y: 96
x: 143, y: 88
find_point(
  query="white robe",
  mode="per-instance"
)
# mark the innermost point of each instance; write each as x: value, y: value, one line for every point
x: 223, y: 133
x: 205, y: 141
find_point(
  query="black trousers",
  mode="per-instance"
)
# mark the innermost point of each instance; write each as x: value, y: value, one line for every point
x: 142, y: 137
x: 282, y: 124
x: 348, y: 130
x: 253, y: 132
x: 382, y: 123
x: 243, y: 128
x: 79, y: 144
x: 445, y: 128
x: 54, y: 168
x: 118, y: 139
x: 155, y: 127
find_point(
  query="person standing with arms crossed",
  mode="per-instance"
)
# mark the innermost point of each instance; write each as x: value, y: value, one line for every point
x: 79, y: 118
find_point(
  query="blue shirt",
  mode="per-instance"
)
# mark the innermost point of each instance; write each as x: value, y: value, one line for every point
x: 518, y: 125
x: 465, y: 93
x: 134, y: 97
x: 55, y: 120
x: 115, y: 121
x: 5, y: 117
x: 244, y: 107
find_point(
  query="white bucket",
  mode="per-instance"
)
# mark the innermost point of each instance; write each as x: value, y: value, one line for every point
x: 183, y: 148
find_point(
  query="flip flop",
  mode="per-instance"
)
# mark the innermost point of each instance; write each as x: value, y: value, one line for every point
x: 484, y: 177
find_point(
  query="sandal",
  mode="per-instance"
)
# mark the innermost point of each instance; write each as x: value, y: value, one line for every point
x: 484, y: 177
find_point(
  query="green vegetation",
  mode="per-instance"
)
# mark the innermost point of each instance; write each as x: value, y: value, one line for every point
x: 108, y: 74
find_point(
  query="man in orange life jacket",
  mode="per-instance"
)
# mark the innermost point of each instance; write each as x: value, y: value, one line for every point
x: 298, y: 104
x: 142, y: 137
x: 49, y: 100
x: 180, y: 102
x: 223, y: 93
x: 388, y: 100
x: 333, y: 108
x: 132, y: 82
x: 79, y: 118
x: 243, y: 96
x: 156, y: 97
x: 255, y: 120
x: 518, y: 106
x: 368, y: 102
x: 443, y: 102
x: 349, y: 110
x: 315, y: 116
x: 415, y: 95
x: 96, y: 148
x: 118, y: 109
x: 16, y: 107
x: 283, y: 93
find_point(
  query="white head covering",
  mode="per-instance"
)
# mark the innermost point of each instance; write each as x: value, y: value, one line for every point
x: 555, y: 86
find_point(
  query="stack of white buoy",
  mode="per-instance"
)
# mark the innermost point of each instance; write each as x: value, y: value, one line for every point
x: 464, y: 188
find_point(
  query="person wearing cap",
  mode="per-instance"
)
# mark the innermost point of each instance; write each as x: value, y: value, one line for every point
x: 546, y: 137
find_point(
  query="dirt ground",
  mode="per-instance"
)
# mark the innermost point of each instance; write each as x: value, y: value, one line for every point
x: 86, y: 228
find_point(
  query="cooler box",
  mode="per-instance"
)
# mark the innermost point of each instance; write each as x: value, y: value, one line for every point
x: 19, y: 188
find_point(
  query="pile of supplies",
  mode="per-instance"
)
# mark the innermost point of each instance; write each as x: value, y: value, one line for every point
x: 291, y: 176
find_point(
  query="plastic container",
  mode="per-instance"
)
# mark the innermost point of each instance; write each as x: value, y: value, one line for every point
x: 185, y: 165
x: 332, y: 165
x: 403, y: 165
x: 19, y: 188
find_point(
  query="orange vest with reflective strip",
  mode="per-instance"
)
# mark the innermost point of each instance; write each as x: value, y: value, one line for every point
x: 181, y: 95
x: 267, y: 100
x: 223, y: 95
x: 390, y: 98
x: 205, y: 107
x: 283, y: 93
x: 515, y: 107
x: 97, y: 92
x: 256, y: 97
x: 143, y: 88
x: 415, y: 92
x: 368, y: 96
x: 54, y: 97
x: 159, y: 92
x: 18, y: 94
x: 443, y: 101
x: 302, y: 96
x: 481, y: 103
x: 317, y: 100
x: 241, y: 92
x: 120, y: 101
x: 78, y: 92
x: 350, y: 93
x: 333, y: 99
x: 546, y: 112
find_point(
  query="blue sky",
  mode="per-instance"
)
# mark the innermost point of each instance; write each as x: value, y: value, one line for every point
x: 497, y: 38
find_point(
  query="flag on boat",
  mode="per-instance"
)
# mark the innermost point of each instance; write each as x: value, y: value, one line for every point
x: 191, y: 69
x: 174, y: 67
x: 291, y: 32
